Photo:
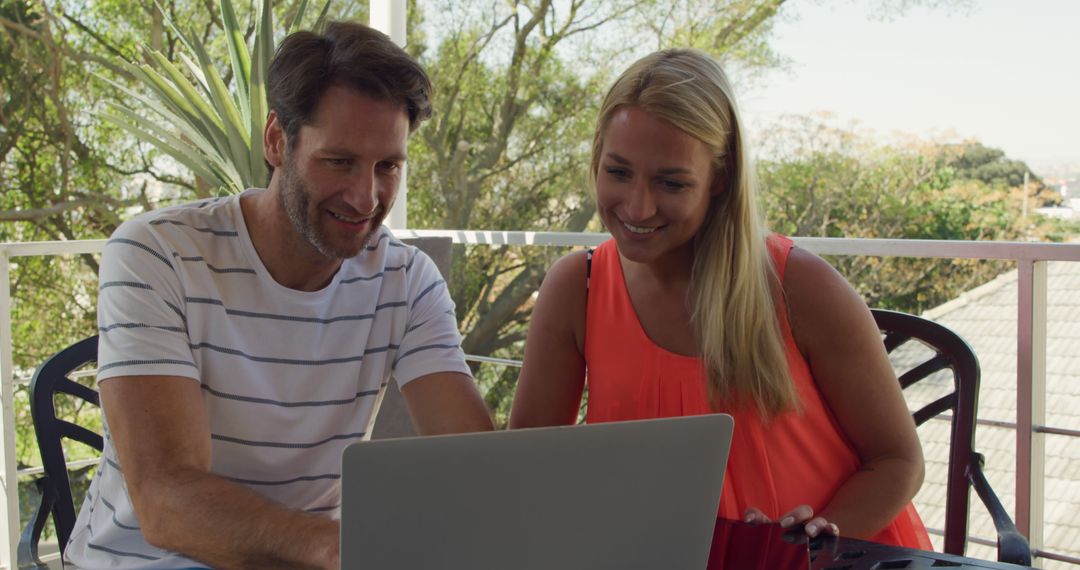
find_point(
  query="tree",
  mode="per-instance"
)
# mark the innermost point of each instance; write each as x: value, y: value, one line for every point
x: 517, y: 91
x: 823, y: 181
x: 213, y: 131
x: 69, y: 175
x: 972, y: 160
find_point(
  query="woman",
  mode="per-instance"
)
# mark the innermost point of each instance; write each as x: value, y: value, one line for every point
x: 693, y: 308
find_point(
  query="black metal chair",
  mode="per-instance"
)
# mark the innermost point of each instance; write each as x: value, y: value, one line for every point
x: 50, y: 379
x: 965, y: 464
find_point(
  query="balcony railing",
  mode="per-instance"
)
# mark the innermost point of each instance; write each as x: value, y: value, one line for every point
x: 1031, y: 428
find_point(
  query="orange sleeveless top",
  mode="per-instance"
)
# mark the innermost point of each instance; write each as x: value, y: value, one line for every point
x: 798, y: 458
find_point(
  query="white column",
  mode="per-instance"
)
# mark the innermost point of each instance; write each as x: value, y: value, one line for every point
x: 9, y: 499
x: 388, y: 16
x: 1031, y: 400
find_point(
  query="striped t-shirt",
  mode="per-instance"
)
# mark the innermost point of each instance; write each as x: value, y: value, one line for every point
x: 289, y: 377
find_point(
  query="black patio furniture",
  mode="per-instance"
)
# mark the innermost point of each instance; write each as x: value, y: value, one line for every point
x: 965, y: 471
x: 53, y: 377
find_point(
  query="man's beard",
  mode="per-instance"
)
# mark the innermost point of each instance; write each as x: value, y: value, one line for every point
x: 296, y: 200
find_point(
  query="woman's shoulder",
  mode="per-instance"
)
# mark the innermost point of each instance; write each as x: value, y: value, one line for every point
x: 811, y: 279
x: 567, y: 276
x: 817, y: 296
x: 561, y: 305
x: 803, y: 267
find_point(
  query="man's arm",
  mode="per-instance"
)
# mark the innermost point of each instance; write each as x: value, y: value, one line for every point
x: 446, y: 402
x: 435, y: 381
x: 160, y: 429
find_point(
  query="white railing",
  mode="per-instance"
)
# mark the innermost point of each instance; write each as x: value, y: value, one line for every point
x: 1031, y: 259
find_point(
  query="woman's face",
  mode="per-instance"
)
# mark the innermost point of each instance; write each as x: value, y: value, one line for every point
x: 653, y: 185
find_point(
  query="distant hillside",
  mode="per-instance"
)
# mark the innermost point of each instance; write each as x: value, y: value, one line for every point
x: 977, y: 162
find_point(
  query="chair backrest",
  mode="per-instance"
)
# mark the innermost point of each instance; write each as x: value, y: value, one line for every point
x: 947, y: 350
x: 50, y: 379
x: 392, y: 419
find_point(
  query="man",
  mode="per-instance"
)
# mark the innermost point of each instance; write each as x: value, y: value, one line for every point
x: 245, y: 340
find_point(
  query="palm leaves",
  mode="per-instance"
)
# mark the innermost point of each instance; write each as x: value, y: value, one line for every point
x: 194, y: 117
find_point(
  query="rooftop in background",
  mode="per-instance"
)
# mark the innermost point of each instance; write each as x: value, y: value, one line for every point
x: 986, y: 317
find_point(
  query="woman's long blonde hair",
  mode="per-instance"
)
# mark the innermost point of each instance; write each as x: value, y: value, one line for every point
x: 734, y: 288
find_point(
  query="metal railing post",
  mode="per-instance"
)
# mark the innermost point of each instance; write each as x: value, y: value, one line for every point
x: 9, y: 522
x: 1030, y: 399
x: 389, y: 17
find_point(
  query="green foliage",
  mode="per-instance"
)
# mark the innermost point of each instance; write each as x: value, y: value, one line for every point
x: 68, y: 175
x: 820, y: 181
x: 199, y: 122
x: 517, y: 86
x: 975, y: 161
x: 54, y: 298
x: 737, y: 31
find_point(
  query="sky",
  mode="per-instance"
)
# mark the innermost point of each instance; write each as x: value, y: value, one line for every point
x: 1005, y: 72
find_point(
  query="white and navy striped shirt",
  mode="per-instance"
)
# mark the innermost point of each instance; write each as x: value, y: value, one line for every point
x: 289, y: 377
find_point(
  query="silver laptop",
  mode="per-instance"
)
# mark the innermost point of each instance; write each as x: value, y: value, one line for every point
x: 626, y: 495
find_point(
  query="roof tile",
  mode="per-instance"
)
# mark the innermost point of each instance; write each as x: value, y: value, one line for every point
x: 986, y: 317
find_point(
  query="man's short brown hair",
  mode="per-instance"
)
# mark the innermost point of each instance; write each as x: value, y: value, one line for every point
x: 348, y: 54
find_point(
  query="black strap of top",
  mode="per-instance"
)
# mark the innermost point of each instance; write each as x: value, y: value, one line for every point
x: 588, y: 277
x: 588, y: 271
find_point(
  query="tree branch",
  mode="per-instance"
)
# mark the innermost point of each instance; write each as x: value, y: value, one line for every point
x: 95, y: 36
x: 34, y: 214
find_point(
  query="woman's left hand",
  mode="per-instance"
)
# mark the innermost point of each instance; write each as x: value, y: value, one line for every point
x: 801, y: 514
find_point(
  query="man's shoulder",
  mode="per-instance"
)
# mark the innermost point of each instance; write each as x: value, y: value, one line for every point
x: 212, y: 217
x: 396, y: 264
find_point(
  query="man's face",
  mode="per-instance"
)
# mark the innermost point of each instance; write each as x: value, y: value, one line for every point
x: 340, y: 178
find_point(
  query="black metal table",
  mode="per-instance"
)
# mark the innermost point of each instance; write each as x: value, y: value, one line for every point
x: 831, y: 553
x: 740, y: 546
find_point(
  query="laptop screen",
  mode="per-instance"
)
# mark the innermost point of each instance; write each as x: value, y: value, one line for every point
x: 630, y: 495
